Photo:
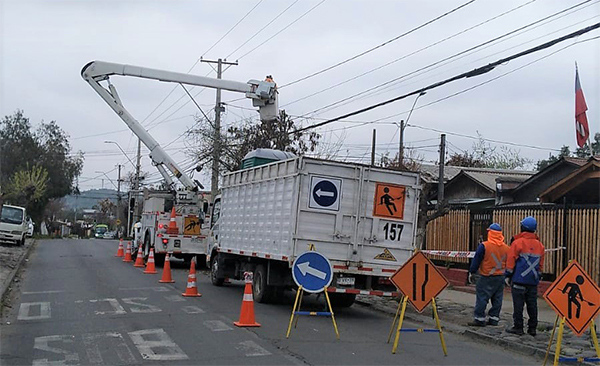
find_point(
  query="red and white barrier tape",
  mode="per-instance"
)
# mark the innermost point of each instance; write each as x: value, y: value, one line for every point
x: 461, y: 254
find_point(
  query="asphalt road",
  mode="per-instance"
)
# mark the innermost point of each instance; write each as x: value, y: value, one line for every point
x: 79, y: 305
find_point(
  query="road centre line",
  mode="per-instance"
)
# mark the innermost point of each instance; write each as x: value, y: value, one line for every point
x: 42, y: 292
x: 155, y: 288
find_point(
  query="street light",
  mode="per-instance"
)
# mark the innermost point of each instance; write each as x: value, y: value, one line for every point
x: 402, y: 127
x: 119, y: 146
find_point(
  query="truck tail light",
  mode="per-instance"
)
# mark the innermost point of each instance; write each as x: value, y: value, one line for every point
x: 165, y: 241
x: 160, y: 226
x: 159, y: 235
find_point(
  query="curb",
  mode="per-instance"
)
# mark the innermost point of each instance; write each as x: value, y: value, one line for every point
x: 456, y: 329
x: 13, y: 273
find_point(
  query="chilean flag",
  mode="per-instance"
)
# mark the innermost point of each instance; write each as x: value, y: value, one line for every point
x: 582, y: 130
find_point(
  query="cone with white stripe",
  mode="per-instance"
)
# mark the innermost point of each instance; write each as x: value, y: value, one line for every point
x: 128, y: 253
x: 120, y: 252
x: 191, y: 289
x: 166, y: 277
x: 247, y: 311
x: 139, y: 261
x: 150, y: 266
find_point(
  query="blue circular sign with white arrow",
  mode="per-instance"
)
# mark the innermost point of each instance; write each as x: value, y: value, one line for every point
x: 312, y: 271
x: 325, y: 193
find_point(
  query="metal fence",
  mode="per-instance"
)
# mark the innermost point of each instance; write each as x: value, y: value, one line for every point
x: 576, y: 229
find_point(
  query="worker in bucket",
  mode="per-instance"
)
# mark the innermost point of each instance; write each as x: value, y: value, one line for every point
x: 490, y: 260
x: 523, y: 273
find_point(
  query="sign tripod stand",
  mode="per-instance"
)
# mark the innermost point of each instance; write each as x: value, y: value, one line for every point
x: 420, y: 282
x: 297, y: 305
x: 557, y: 356
x: 313, y: 273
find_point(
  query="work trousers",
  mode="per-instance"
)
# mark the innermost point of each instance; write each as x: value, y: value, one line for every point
x: 524, y: 295
x: 489, y: 288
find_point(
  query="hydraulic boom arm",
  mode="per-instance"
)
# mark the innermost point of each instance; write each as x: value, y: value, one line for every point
x: 262, y: 93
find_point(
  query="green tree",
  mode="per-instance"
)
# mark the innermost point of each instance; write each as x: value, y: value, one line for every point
x: 484, y: 155
x: 237, y: 141
x: 47, y: 147
x: 584, y: 152
x: 544, y: 163
x: 28, y: 187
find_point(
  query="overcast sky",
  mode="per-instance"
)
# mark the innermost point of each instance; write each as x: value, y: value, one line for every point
x: 44, y: 45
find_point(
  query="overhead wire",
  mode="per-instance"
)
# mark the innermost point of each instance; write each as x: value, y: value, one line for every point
x: 367, y: 91
x: 378, y: 46
x: 410, y: 54
x: 475, y: 72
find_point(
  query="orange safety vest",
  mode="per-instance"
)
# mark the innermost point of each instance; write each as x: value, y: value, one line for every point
x: 494, y: 260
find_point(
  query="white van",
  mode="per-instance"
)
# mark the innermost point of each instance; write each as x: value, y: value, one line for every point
x: 13, y: 224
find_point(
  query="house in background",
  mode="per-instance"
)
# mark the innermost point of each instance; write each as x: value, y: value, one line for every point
x: 529, y: 191
x: 580, y: 187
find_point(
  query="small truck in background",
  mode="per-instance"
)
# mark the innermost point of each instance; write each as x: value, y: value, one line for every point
x: 362, y: 218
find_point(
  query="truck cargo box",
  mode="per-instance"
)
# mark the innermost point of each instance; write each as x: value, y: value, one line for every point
x: 362, y: 218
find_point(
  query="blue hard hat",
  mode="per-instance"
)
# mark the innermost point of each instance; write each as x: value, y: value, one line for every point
x: 495, y: 226
x: 529, y: 223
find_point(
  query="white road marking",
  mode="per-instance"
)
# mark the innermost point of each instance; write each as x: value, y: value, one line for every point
x: 42, y: 344
x: 155, y: 289
x: 175, y: 298
x: 140, y: 308
x: 251, y: 349
x: 42, y: 292
x: 113, y: 343
x: 117, y: 308
x: 25, y: 311
x: 192, y: 310
x: 149, y: 349
x: 216, y: 325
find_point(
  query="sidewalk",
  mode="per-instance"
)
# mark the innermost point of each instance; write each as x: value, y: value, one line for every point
x: 456, y: 310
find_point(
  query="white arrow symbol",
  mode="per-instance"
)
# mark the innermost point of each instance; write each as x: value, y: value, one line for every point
x: 320, y: 193
x: 306, y: 268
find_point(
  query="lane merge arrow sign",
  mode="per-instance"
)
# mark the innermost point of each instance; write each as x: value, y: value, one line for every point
x: 313, y: 271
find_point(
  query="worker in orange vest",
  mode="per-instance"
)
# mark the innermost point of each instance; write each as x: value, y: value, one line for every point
x: 490, y: 260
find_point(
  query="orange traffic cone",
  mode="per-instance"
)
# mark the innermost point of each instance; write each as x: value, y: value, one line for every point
x: 191, y: 289
x: 166, y: 277
x: 247, y: 311
x: 120, y: 250
x: 128, y: 253
x: 150, y: 267
x: 172, y: 229
x: 139, y: 261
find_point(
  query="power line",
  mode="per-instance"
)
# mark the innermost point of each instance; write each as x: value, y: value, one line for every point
x: 378, y: 46
x: 365, y: 92
x: 475, y: 72
x: 263, y: 28
x: 410, y: 54
x: 286, y: 27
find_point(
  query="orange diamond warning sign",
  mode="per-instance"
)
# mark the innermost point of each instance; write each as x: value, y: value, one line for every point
x: 389, y: 201
x: 419, y: 280
x: 575, y: 297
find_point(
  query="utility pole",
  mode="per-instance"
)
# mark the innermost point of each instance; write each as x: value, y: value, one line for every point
x: 214, y: 182
x: 440, y: 196
x: 119, y: 198
x: 373, y: 147
x: 401, y: 147
x: 136, y: 187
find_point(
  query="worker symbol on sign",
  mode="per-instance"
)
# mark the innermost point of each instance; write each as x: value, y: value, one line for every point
x: 389, y: 201
x: 573, y: 294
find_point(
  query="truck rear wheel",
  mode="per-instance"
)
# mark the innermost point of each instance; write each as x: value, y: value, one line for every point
x: 214, y: 271
x: 260, y: 290
x: 341, y: 300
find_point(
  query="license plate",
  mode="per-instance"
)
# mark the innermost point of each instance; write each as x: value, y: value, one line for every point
x: 345, y: 281
x: 177, y: 243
